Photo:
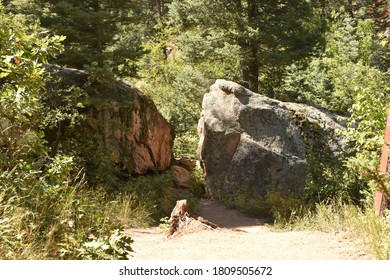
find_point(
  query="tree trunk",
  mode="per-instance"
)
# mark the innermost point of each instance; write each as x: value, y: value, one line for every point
x: 253, y: 68
x: 160, y: 9
x: 350, y: 9
x: 250, y: 65
x: 98, y: 42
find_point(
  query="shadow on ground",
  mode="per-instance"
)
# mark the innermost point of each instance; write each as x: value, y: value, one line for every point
x: 224, y: 217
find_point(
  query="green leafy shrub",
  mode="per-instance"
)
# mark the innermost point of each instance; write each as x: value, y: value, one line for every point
x: 177, y: 84
x: 46, y: 209
x: 284, y: 208
x: 197, y: 182
x: 115, y: 247
x: 349, y: 76
x: 164, y: 224
x: 52, y: 216
x: 155, y: 191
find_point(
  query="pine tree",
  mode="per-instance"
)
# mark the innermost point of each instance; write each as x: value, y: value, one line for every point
x: 268, y: 34
x: 95, y: 30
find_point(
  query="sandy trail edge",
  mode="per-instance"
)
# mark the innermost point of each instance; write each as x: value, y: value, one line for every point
x: 241, y: 237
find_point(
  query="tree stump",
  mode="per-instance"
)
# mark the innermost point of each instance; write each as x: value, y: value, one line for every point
x: 180, y: 217
x: 180, y: 209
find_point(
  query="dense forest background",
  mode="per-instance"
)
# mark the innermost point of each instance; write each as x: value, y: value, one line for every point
x: 319, y: 52
x: 333, y: 54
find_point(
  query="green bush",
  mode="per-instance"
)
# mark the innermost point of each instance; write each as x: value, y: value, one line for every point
x: 53, y: 215
x: 115, y: 247
x: 46, y: 209
x: 351, y: 77
x: 197, y: 182
x: 154, y: 190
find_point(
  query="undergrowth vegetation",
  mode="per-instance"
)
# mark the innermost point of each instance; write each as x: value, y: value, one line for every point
x: 361, y: 225
x: 357, y: 222
x: 53, y: 215
x: 56, y: 215
x: 48, y: 207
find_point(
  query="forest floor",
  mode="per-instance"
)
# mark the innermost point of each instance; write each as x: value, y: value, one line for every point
x: 240, y: 237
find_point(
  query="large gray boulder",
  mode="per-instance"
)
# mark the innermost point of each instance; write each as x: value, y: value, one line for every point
x: 250, y: 144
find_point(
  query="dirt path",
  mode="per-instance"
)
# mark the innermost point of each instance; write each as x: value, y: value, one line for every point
x: 240, y: 237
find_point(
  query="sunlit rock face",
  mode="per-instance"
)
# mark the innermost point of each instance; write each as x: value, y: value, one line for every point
x: 250, y: 144
x: 122, y: 122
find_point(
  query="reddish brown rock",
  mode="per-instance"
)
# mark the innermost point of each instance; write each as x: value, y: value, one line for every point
x: 122, y: 121
x: 182, y: 175
x: 137, y: 135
